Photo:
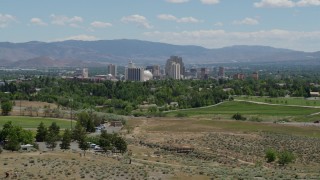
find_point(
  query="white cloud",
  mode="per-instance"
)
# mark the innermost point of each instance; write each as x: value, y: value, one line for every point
x: 169, y: 17
x: 138, y: 20
x: 246, y: 21
x: 62, y: 20
x: 308, y: 3
x: 210, y: 1
x: 82, y: 37
x: 177, y: 1
x: 99, y: 24
x: 274, y: 3
x: 299, y: 40
x: 6, y: 19
x: 218, y: 24
x: 286, y: 3
x: 38, y: 21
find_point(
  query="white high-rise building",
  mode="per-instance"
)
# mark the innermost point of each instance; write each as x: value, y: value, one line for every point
x: 169, y: 66
x: 85, y: 73
x: 112, y: 69
x: 175, y: 71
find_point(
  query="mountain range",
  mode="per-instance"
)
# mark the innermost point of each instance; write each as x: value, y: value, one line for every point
x: 94, y: 53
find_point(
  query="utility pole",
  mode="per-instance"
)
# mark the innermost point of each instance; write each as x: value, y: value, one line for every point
x: 71, y: 105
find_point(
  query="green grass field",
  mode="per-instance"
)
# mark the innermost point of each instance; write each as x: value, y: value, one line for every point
x: 281, y: 100
x: 33, y: 122
x: 246, y: 108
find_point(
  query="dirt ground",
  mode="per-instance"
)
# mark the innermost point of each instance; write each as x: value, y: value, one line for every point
x: 153, y: 145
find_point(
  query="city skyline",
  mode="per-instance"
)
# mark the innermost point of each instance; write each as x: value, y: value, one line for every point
x: 209, y: 23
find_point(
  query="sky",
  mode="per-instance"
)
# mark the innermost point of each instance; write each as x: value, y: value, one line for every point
x: 290, y: 24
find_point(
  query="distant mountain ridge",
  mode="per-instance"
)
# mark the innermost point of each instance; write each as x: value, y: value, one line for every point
x: 91, y: 53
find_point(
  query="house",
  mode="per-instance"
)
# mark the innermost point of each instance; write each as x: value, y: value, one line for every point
x: 116, y: 123
x: 314, y: 94
x: 26, y: 147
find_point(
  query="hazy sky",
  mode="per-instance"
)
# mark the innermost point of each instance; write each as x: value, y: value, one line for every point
x: 292, y: 24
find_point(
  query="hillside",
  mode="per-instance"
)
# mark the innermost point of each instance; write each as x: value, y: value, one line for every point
x: 70, y: 53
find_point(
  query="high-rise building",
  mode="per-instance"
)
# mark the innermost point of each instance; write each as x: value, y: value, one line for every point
x: 221, y: 72
x: 112, y: 69
x: 255, y: 76
x: 155, y: 70
x: 175, y: 71
x: 176, y: 60
x: 239, y: 76
x: 85, y: 73
x: 81, y: 73
x: 133, y: 73
x: 204, y: 73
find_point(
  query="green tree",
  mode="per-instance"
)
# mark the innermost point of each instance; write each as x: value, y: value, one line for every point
x: 6, y: 107
x: 285, y: 157
x: 83, y: 142
x: 42, y: 132
x: 51, y: 140
x: 15, y: 135
x: 13, y: 141
x: 53, y: 136
x: 271, y: 155
x: 86, y: 121
x: 120, y: 144
x: 66, y: 139
x: 77, y: 131
x: 54, y: 128
x: 6, y: 128
x: 238, y: 116
x: 105, y: 141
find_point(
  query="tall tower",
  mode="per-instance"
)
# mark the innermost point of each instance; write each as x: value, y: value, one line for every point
x: 175, y: 71
x: 221, y: 72
x: 112, y: 69
x: 85, y: 73
x: 204, y: 73
x: 255, y: 75
x: 177, y: 60
x: 133, y: 73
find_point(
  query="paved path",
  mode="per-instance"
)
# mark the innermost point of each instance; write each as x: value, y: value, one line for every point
x: 194, y: 108
x: 255, y: 102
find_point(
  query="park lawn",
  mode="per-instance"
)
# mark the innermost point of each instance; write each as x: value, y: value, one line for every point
x: 300, y: 101
x: 33, y: 122
x: 247, y: 108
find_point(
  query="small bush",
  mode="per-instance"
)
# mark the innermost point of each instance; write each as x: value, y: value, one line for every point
x: 238, y: 116
x: 285, y: 157
x: 271, y: 155
x: 255, y: 119
x: 180, y: 114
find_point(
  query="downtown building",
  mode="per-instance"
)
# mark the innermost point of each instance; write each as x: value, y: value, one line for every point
x: 112, y: 69
x: 175, y: 68
x: 133, y: 73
